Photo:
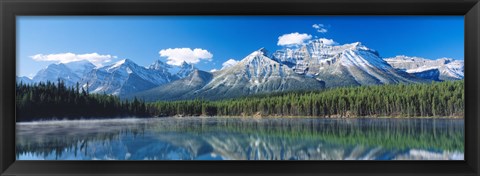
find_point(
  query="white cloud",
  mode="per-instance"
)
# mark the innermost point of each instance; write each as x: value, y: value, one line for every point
x: 213, y: 70
x: 176, y: 56
x: 316, y: 26
x: 293, y: 39
x: 94, y: 58
x: 229, y: 63
x: 320, y: 28
x: 328, y: 41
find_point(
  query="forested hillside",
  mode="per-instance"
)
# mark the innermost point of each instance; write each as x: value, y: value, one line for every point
x: 436, y: 99
x: 50, y: 101
x: 400, y: 100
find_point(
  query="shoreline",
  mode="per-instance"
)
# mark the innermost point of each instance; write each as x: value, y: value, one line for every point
x: 239, y: 117
x: 340, y: 117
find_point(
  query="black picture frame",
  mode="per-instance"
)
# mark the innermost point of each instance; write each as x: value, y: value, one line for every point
x: 9, y: 9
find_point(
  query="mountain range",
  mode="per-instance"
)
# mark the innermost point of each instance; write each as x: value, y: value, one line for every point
x: 342, y: 65
x: 312, y: 66
x: 120, y: 78
x: 440, y: 69
x: 255, y: 74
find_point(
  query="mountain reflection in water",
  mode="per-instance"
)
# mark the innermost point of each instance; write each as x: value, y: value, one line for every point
x: 217, y: 138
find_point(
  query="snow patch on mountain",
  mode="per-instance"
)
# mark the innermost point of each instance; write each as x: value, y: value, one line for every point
x: 448, y: 68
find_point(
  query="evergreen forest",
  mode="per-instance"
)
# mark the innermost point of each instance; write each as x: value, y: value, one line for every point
x: 436, y: 99
x: 46, y: 101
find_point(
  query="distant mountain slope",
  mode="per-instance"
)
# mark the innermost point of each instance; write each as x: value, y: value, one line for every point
x: 124, y: 77
x: 255, y: 74
x: 24, y: 80
x: 70, y: 73
x: 184, y: 70
x: 342, y: 65
x: 177, y: 71
x: 447, y: 68
x: 80, y: 67
x: 181, y: 89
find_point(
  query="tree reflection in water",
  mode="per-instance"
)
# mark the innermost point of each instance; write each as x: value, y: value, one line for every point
x: 215, y: 138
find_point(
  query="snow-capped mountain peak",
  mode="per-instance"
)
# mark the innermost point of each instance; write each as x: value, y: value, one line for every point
x: 317, y: 64
x: 260, y: 54
x: 359, y: 55
x: 70, y: 73
x: 186, y: 65
x: 262, y: 51
x: 340, y: 65
x: 80, y: 67
x: 184, y: 70
x: 447, y: 68
x: 125, y: 76
x: 119, y: 64
x: 159, y: 65
x: 256, y: 73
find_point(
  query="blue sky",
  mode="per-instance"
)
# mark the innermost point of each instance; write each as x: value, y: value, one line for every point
x: 45, y: 40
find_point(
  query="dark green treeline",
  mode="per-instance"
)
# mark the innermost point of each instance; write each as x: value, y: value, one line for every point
x: 446, y: 99
x: 49, y: 100
x: 399, y: 100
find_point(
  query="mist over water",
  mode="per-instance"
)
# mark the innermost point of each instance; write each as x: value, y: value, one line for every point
x: 221, y: 138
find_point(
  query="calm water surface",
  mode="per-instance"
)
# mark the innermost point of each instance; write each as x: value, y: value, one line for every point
x: 216, y: 138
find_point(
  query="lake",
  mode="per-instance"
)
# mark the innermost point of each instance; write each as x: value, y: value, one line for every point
x: 221, y: 138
